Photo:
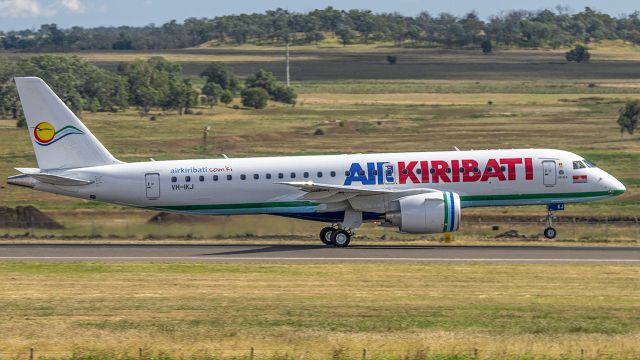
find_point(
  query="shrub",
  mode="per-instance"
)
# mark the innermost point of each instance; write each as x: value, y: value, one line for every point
x: 226, y: 97
x: 255, y: 98
x: 578, y: 54
x: 284, y: 94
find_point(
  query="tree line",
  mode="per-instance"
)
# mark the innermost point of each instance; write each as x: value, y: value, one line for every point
x: 519, y: 28
x: 144, y: 84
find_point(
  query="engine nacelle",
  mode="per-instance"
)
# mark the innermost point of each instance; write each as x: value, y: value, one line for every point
x: 433, y: 212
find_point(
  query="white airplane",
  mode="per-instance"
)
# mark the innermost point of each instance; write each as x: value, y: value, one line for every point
x: 419, y: 192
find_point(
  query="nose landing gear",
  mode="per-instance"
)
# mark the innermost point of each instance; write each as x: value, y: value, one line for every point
x: 550, y: 231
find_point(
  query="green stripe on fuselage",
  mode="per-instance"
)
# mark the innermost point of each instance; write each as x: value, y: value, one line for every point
x: 283, y: 204
x: 294, y: 204
x: 540, y: 196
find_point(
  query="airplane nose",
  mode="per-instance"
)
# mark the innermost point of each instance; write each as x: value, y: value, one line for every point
x: 616, y: 187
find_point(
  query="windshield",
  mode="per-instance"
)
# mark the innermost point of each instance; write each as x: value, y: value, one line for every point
x: 589, y: 163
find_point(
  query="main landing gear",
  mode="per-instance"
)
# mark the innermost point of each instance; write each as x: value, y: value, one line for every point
x: 335, y: 236
x: 339, y: 235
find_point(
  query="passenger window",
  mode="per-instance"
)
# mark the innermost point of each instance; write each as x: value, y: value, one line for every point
x: 187, y: 178
x: 489, y: 169
x: 374, y: 172
x: 215, y: 177
x: 418, y: 171
x: 347, y: 173
x: 461, y: 170
x: 293, y: 175
x: 319, y: 174
x: 201, y: 177
x: 256, y: 176
x: 578, y: 165
x: 268, y: 176
x: 333, y: 174
x: 503, y: 168
x: 447, y: 170
x: 432, y: 170
x: 361, y: 172
x: 243, y: 177
x: 475, y: 169
x: 305, y: 174
x: 229, y: 177
x: 174, y: 179
x: 405, y: 171
x: 280, y: 176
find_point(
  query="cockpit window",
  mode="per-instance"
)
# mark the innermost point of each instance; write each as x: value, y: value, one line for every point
x: 589, y: 163
x: 578, y: 165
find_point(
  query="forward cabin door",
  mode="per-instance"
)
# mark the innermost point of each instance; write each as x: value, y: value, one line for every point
x: 153, y: 186
x: 549, y: 173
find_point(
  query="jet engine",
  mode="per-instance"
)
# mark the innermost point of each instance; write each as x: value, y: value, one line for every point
x: 427, y: 213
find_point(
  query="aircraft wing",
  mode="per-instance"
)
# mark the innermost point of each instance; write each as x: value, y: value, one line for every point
x: 310, y: 187
x: 328, y: 193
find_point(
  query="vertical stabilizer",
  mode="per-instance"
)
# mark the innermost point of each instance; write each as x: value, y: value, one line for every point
x: 59, y: 139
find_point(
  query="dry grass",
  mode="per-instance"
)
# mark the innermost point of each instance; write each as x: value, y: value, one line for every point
x: 313, y: 309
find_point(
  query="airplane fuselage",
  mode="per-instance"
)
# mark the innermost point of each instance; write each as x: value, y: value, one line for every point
x: 254, y: 185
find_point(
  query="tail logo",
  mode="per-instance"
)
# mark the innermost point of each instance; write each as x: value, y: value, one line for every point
x: 45, y: 134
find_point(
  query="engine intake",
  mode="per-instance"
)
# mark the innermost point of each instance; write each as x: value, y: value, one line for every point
x: 428, y: 213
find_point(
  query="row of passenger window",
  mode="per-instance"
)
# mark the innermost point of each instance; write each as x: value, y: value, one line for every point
x: 319, y: 174
x: 255, y: 176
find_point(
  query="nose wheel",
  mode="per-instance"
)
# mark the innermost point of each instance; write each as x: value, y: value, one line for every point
x: 549, y: 231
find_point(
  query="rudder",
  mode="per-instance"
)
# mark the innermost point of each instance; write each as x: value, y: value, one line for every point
x: 60, y: 140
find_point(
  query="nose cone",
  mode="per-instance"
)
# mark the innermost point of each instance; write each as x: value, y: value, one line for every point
x: 615, y: 186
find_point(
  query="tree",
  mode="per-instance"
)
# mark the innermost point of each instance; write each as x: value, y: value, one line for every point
x: 254, y: 97
x: 226, y: 97
x: 345, y: 34
x: 213, y: 92
x: 486, y: 46
x: 276, y: 91
x: 578, y: 54
x: 219, y: 73
x: 628, y: 119
x: 284, y: 94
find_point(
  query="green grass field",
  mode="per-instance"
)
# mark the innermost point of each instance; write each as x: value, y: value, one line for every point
x: 311, y: 310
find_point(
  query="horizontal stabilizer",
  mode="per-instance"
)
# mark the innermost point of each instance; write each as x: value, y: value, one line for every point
x: 53, y: 179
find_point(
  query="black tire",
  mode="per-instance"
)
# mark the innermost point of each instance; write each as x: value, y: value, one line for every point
x: 340, y: 238
x: 325, y: 235
x: 550, y: 233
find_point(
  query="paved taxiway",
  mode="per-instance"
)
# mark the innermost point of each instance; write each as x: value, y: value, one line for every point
x: 212, y: 252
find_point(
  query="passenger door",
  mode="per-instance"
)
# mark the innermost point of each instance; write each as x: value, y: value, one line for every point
x: 153, y: 186
x: 549, y: 173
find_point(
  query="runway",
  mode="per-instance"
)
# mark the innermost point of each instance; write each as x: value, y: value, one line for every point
x: 301, y: 253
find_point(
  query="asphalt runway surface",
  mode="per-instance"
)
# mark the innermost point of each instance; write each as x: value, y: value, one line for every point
x: 301, y: 253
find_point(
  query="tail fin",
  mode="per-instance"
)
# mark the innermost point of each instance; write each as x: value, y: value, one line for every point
x: 59, y: 139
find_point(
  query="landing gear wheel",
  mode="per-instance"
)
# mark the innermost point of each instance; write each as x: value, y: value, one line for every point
x: 325, y: 235
x: 340, y: 238
x: 550, y: 233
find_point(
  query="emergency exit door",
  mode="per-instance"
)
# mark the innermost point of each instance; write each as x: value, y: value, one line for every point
x: 549, y: 172
x: 153, y: 186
